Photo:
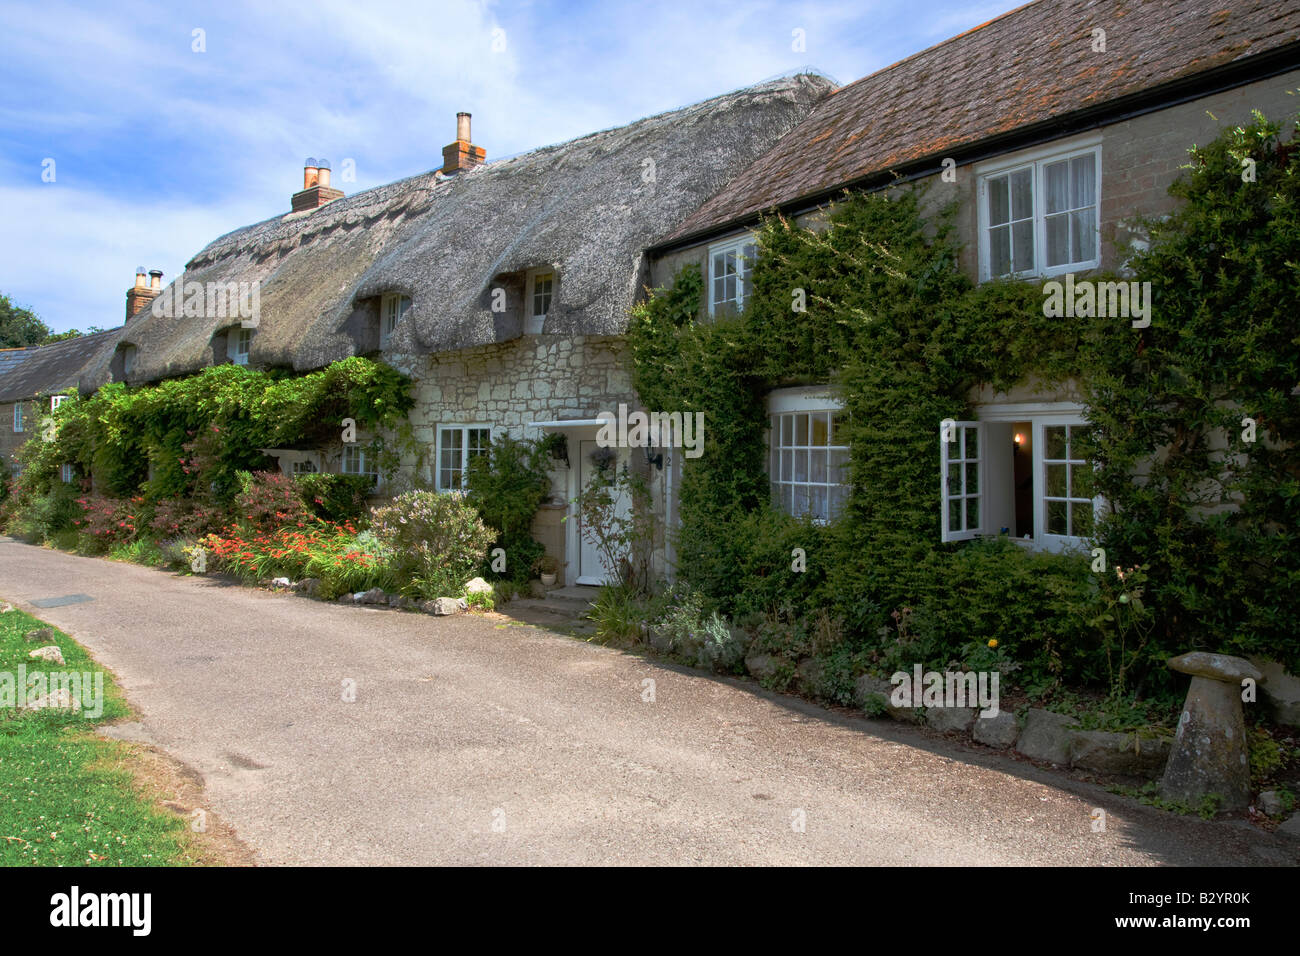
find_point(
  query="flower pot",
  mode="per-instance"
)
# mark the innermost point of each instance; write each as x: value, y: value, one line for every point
x: 548, y: 580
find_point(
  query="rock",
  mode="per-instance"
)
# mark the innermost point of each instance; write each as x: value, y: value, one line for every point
x: 397, y: 601
x: 1280, y: 692
x: 1000, y: 731
x: 5, y: 607
x: 281, y: 583
x: 61, y: 699
x: 1270, y: 803
x: 478, y: 586
x: 866, y: 685
x: 949, y: 720
x: 50, y: 653
x: 761, y: 666
x: 1291, y: 827
x: 373, y: 596
x: 1046, y: 736
x: 309, y: 586
x: 347, y: 599
x: 1126, y: 754
x: 1221, y: 667
x: 537, y: 590
x: 38, y: 635
x: 659, y: 639
x: 808, y: 676
x: 462, y: 604
x: 1210, y: 753
x: 441, y: 606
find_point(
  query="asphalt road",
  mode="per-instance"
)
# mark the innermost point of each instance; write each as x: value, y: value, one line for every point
x: 474, y: 741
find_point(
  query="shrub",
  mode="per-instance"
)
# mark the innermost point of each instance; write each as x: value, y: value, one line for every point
x: 173, y: 518
x: 336, y: 498
x: 437, y: 541
x: 107, y: 523
x: 39, y: 517
x: 507, y: 486
x: 270, y: 499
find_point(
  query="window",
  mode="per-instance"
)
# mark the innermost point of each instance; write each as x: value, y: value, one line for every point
x: 391, y: 310
x: 242, y: 340
x: 304, y: 467
x: 18, y: 416
x: 56, y: 401
x: 458, y: 445
x: 69, y: 474
x: 730, y: 266
x: 1018, y: 471
x: 128, y: 359
x: 1039, y: 215
x: 808, y: 455
x: 543, y: 284
x: 357, y: 462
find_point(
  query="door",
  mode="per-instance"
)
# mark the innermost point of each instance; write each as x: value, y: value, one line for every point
x: 592, y: 568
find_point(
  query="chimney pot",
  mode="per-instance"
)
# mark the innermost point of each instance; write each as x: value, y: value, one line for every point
x: 310, y: 173
x: 462, y: 127
x: 323, y: 173
x: 140, y: 280
x: 155, y: 279
x: 462, y: 154
x: 316, y: 190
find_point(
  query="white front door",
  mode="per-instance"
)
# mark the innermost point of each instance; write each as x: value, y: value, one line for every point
x: 592, y: 568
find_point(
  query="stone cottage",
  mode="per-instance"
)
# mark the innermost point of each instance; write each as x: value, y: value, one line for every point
x: 1050, y: 126
x: 501, y: 288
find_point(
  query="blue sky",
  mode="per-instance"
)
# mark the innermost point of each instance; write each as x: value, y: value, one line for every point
x: 158, y: 149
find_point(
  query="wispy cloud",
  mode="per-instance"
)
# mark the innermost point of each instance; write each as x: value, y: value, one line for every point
x: 161, y: 148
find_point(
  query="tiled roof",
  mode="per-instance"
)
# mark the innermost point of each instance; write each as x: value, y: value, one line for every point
x: 1031, y: 65
x: 49, y: 368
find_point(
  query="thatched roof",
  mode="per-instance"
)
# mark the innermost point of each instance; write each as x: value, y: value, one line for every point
x: 583, y: 208
x: 48, y: 369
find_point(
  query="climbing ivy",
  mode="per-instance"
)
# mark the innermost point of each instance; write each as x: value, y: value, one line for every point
x: 199, y: 431
x: 903, y: 336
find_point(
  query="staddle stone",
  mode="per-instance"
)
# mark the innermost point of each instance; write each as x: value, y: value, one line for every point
x: 1210, y: 754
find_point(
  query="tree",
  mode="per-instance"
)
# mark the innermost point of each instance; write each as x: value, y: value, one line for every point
x: 20, y: 327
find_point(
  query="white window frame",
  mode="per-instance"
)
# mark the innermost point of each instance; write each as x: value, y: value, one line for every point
x: 128, y: 359
x: 955, y: 448
x: 56, y: 401
x: 735, y: 245
x: 1038, y: 159
x: 1040, y: 416
x: 534, y: 322
x: 464, y: 428
x: 363, y: 462
x: 19, y: 418
x: 240, y: 336
x: 793, y: 401
x: 392, y: 307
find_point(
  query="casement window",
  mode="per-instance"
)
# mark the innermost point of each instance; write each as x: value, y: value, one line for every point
x: 458, y: 445
x: 56, y: 401
x: 358, y: 461
x: 391, y: 309
x: 241, y: 344
x: 1018, y: 471
x: 1039, y: 214
x: 303, y: 466
x: 68, y: 474
x: 19, y: 417
x: 128, y: 359
x: 808, y: 454
x: 731, y: 265
x: 538, y: 296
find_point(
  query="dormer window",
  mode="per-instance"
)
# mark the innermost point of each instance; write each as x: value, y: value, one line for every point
x: 123, y: 362
x: 241, y: 343
x: 391, y: 309
x: 537, y: 300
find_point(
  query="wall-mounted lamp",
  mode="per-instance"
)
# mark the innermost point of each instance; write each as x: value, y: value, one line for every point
x: 560, y: 448
x: 653, y: 459
x: 1020, y: 439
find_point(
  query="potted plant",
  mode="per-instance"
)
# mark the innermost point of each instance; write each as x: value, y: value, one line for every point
x: 547, y: 567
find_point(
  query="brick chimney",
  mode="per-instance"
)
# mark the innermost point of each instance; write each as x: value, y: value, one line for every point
x: 316, y: 189
x: 143, y: 292
x: 462, y: 154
